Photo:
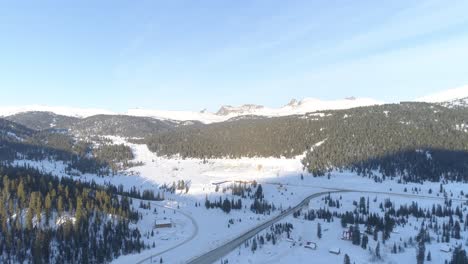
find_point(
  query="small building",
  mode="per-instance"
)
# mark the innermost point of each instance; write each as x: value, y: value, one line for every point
x: 335, y: 251
x: 163, y: 224
x: 446, y: 248
x: 310, y: 245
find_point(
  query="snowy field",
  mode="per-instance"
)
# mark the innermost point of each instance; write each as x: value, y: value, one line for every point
x: 293, y: 250
x: 198, y: 230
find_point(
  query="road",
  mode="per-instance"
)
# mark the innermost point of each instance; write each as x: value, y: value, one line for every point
x: 406, y: 195
x: 221, y: 251
x: 195, y: 233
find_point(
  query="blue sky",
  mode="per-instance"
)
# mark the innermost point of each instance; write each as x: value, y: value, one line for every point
x: 190, y: 55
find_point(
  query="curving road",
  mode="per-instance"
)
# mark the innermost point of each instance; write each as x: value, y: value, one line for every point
x: 195, y: 233
x: 221, y: 251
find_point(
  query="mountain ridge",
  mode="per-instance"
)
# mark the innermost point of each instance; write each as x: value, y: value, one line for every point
x: 457, y: 97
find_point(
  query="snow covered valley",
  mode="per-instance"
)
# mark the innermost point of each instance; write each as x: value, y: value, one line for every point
x: 195, y: 229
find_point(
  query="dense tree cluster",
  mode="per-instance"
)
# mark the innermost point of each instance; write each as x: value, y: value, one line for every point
x: 43, y: 120
x: 117, y: 156
x: 459, y: 256
x: 121, y: 125
x: 102, y: 125
x: 441, y: 222
x: 413, y: 140
x: 272, y: 235
x: 18, y: 142
x: 226, y: 205
x: 49, y: 220
x: 417, y: 141
x: 282, y: 136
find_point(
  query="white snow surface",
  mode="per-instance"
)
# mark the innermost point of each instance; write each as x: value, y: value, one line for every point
x: 285, y: 252
x: 59, y: 110
x: 282, y: 185
x: 446, y: 95
x: 307, y: 105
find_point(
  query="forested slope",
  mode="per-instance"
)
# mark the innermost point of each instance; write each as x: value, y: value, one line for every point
x: 44, y: 219
x: 418, y: 140
x: 20, y: 143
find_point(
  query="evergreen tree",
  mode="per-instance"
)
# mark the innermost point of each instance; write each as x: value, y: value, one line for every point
x: 254, y: 245
x: 346, y: 259
x: 421, y: 252
x: 459, y: 256
x: 319, y: 231
x: 377, y: 251
x: 365, y: 241
x: 356, y: 235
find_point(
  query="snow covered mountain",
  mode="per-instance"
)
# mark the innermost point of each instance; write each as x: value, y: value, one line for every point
x: 227, y: 112
x: 223, y: 114
x: 59, y: 110
x: 450, y: 98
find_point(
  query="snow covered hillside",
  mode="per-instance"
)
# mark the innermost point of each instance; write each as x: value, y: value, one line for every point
x: 198, y: 229
x: 225, y: 113
x: 452, y: 97
x: 66, y: 111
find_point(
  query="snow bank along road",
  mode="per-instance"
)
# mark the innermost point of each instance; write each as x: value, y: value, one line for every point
x: 223, y: 250
x: 195, y: 233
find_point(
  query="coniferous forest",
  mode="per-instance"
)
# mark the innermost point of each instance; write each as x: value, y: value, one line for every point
x: 45, y: 219
x: 417, y: 141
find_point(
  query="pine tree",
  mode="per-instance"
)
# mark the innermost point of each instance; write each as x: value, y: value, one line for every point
x: 60, y: 205
x: 319, y: 231
x: 459, y: 256
x: 254, y: 245
x: 421, y: 252
x: 365, y: 241
x: 356, y: 235
x: 377, y: 251
x: 346, y: 259
x: 48, y: 208
x: 456, y: 230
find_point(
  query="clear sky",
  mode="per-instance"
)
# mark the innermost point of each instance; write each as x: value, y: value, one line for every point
x: 190, y: 55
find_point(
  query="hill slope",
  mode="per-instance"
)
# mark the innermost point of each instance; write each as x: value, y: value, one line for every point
x: 381, y: 138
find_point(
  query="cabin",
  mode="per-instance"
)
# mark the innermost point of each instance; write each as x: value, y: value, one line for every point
x: 163, y: 224
x: 446, y: 248
x: 310, y: 245
x: 335, y: 251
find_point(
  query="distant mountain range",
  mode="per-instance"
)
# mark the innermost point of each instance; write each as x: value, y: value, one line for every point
x: 457, y: 97
x: 228, y: 112
x: 142, y: 122
x: 57, y: 115
x: 419, y: 140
